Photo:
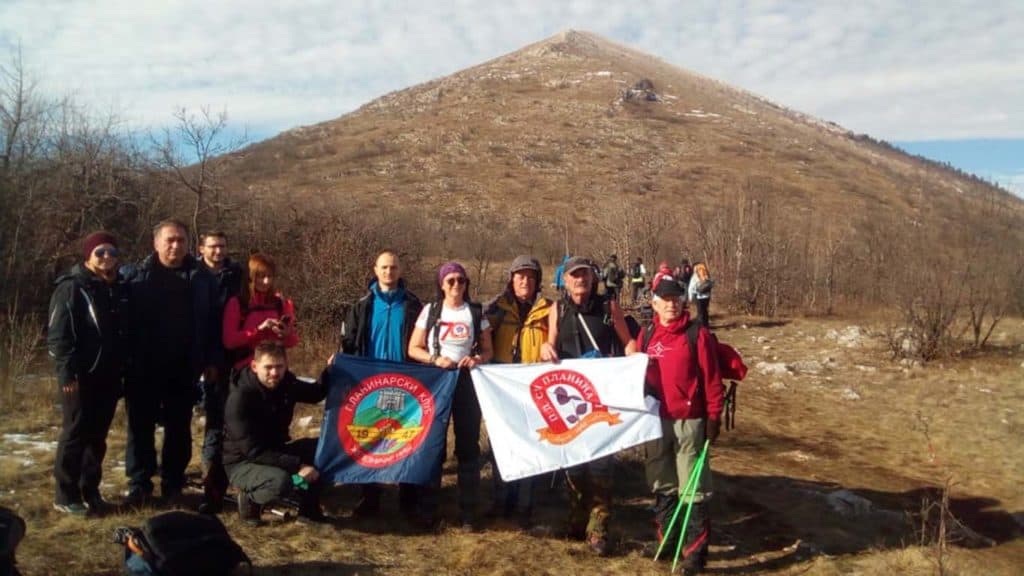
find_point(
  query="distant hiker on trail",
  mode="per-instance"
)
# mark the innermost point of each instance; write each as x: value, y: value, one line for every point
x: 379, y: 326
x: 557, y: 280
x: 583, y: 324
x: 175, y: 335
x: 613, y: 276
x: 227, y: 274
x: 519, y: 319
x: 683, y: 272
x: 637, y: 278
x: 452, y: 333
x: 683, y: 375
x: 700, y: 292
x: 261, y: 459
x: 86, y: 340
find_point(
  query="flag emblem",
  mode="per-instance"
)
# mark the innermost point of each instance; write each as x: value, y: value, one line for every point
x: 569, y: 404
x: 384, y: 419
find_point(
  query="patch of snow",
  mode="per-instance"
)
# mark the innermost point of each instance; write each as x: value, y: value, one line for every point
x: 31, y: 441
x: 985, y: 390
x: 850, y: 394
x: 305, y: 421
x: 868, y: 369
x: 777, y: 386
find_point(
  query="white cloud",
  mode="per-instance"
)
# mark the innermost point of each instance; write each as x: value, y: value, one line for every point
x: 898, y: 71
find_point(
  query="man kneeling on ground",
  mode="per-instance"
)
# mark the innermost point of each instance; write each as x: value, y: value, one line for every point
x: 260, y: 458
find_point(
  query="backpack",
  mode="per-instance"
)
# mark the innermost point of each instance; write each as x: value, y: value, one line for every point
x: 434, y: 324
x: 12, y: 530
x: 180, y: 544
x: 637, y: 271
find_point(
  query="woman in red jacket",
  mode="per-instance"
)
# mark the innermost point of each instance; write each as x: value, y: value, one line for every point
x: 258, y: 313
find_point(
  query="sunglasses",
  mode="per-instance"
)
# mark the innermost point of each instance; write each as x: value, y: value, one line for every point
x: 460, y: 280
x: 104, y: 252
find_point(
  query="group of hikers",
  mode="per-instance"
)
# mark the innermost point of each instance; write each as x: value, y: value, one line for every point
x: 149, y: 331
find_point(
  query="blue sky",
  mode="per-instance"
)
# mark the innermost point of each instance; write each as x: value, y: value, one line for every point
x: 943, y: 78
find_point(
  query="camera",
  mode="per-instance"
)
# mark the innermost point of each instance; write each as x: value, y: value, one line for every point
x: 123, y: 534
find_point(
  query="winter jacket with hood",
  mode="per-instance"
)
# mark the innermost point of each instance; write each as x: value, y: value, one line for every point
x: 85, y: 333
x: 687, y: 389
x: 256, y: 418
x: 518, y: 340
x: 355, y: 332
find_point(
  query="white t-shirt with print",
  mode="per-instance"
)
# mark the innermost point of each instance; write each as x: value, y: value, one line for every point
x: 456, y: 330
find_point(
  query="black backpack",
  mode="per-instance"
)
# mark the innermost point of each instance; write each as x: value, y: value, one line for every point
x: 181, y: 544
x: 12, y: 530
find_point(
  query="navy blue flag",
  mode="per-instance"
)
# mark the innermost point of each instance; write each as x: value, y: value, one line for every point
x: 385, y: 421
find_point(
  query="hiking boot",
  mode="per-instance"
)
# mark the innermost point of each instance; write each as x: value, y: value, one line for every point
x: 597, y: 544
x: 97, y: 505
x: 248, y: 511
x: 368, y: 507
x: 171, y: 497
x: 311, y: 517
x: 72, y: 509
x: 211, y: 507
x: 137, y: 498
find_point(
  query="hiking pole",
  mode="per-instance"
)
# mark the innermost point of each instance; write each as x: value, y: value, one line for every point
x: 691, y: 486
x: 730, y: 407
x: 689, y: 507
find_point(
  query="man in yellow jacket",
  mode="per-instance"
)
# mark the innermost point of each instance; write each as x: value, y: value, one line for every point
x: 519, y: 318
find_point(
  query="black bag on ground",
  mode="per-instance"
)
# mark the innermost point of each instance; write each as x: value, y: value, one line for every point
x: 184, y: 544
x: 12, y: 530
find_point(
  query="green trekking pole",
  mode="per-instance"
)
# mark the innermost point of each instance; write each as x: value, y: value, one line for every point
x: 691, y: 487
x: 689, y: 508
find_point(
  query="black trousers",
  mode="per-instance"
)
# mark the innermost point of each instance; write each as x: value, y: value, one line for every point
x: 167, y: 398
x: 215, y: 395
x: 702, y: 311
x: 465, y: 416
x: 82, y: 444
x: 263, y: 483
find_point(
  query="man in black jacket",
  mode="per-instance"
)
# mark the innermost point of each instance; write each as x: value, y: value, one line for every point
x: 261, y: 459
x: 227, y: 274
x: 87, y: 345
x: 378, y: 326
x: 174, y: 332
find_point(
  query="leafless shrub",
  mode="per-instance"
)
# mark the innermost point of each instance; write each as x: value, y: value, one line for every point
x: 20, y: 336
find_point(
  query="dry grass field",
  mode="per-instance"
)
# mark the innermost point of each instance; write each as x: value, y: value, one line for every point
x: 836, y: 452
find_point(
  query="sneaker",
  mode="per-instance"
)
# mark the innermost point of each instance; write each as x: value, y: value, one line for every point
x: 248, y: 511
x: 597, y: 544
x: 73, y: 509
x: 137, y: 498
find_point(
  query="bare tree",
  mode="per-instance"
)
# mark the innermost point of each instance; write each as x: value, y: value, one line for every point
x: 192, y: 153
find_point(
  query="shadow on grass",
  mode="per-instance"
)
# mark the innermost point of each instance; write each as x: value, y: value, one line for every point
x: 317, y: 568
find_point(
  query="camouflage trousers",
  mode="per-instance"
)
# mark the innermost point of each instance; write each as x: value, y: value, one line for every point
x: 590, y: 497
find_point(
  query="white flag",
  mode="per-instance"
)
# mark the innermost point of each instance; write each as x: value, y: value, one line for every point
x: 543, y: 417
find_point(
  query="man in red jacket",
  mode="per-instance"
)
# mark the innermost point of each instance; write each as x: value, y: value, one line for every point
x: 683, y: 374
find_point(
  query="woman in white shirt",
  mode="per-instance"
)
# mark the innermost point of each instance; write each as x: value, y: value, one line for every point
x: 452, y: 333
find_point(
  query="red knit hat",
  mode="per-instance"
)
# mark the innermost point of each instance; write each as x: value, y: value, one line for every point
x: 95, y: 239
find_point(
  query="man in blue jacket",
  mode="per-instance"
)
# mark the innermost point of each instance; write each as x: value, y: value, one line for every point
x: 378, y: 326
